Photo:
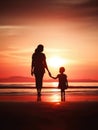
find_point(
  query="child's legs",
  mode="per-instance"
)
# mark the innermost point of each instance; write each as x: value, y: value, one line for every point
x: 62, y: 95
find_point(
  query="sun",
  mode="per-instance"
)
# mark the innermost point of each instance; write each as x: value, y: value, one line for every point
x: 56, y: 61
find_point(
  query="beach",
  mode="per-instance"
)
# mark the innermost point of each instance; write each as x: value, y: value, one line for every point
x: 48, y: 116
x: 21, y: 109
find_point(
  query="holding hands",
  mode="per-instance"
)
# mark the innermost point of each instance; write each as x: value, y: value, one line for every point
x: 49, y: 73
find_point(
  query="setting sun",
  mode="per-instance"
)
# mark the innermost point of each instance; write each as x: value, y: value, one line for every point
x: 56, y: 61
x: 67, y: 30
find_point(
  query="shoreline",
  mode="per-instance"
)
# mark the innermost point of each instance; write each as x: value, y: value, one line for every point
x: 48, y: 98
x: 24, y: 93
x: 26, y: 87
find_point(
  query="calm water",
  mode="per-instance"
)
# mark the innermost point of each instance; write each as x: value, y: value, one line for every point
x: 49, y: 87
x: 50, y: 84
x: 77, y: 91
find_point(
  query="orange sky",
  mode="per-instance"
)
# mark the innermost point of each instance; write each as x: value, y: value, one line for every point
x: 66, y: 29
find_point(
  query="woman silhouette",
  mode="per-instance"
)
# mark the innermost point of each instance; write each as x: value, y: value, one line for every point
x: 38, y: 67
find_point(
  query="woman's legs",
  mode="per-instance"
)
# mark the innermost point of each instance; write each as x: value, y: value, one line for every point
x: 39, y: 79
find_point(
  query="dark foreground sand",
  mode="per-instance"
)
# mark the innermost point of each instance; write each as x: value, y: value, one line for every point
x: 48, y: 116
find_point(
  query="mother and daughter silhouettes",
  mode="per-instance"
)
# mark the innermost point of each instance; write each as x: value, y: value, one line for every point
x: 38, y: 67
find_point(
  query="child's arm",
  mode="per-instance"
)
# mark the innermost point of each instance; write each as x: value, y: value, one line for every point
x: 67, y: 82
x: 53, y: 77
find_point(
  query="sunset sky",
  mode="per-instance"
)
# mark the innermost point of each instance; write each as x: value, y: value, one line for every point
x: 68, y: 29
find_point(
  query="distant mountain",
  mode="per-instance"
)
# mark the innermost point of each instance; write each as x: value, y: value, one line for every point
x: 31, y: 79
x: 17, y: 79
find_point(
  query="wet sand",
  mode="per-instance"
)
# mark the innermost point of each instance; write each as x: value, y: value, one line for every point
x: 49, y: 116
x: 48, y: 98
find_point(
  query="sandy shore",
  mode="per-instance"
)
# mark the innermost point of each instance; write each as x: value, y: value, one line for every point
x: 48, y: 116
x: 48, y: 98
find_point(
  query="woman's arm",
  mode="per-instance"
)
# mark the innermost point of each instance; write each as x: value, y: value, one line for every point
x: 32, y: 66
x: 46, y: 66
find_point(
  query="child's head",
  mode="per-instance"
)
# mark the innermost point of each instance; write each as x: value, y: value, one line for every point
x: 61, y: 69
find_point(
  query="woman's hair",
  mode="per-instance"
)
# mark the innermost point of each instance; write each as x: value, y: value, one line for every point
x: 39, y: 48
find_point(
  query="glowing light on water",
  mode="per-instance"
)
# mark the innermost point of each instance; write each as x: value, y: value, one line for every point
x: 55, y: 98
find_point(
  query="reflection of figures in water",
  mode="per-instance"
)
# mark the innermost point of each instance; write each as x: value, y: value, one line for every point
x: 38, y: 67
x: 38, y: 98
x: 63, y: 82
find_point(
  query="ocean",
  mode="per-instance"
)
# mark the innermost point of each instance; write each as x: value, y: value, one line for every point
x: 26, y: 92
x: 23, y: 88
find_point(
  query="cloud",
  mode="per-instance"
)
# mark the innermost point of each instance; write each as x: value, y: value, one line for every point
x: 22, y: 11
x: 13, y: 30
x: 15, y: 55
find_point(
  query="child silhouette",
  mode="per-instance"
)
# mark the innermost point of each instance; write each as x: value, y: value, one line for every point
x: 63, y: 82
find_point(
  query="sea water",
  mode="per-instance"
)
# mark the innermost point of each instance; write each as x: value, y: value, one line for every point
x: 77, y: 91
x: 28, y: 88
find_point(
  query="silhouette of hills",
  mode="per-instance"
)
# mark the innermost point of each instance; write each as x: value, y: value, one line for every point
x: 17, y: 79
x: 31, y: 79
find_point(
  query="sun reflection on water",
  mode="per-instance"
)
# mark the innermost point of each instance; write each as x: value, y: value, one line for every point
x: 55, y: 98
